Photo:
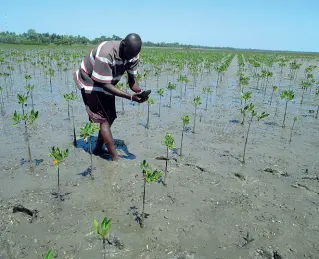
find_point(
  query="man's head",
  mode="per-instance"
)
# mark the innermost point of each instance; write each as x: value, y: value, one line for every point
x: 130, y: 46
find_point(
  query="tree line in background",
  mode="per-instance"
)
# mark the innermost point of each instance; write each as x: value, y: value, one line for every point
x: 32, y: 37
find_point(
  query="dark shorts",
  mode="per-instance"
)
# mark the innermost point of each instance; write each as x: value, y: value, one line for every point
x: 100, y: 107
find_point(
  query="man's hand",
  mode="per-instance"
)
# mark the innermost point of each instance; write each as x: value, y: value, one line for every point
x: 135, y: 88
x: 135, y: 98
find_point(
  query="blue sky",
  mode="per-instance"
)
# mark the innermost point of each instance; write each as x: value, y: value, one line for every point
x: 275, y: 25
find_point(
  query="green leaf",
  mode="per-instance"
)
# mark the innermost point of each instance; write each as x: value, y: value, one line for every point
x: 50, y: 254
x: 96, y: 227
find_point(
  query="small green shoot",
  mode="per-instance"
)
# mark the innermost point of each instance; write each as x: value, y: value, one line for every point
x: 169, y: 142
x: 186, y: 121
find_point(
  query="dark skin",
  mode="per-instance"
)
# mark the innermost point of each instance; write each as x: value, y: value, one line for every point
x: 105, y: 133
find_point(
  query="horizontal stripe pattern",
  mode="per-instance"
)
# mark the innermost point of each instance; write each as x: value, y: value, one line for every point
x: 103, y: 65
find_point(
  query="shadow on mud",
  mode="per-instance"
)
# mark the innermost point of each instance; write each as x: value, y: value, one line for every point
x: 119, y: 145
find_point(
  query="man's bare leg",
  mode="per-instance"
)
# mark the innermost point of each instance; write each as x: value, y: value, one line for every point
x: 105, y: 136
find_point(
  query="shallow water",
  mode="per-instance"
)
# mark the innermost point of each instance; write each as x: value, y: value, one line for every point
x: 204, y: 212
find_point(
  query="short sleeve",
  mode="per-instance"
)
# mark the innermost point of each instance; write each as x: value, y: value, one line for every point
x: 133, y: 63
x: 102, y: 71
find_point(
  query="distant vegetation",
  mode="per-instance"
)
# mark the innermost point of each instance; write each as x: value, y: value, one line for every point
x: 31, y: 37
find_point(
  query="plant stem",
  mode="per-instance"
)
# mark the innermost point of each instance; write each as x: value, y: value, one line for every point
x: 283, y: 123
x: 148, y: 115
x: 59, y: 191
x: 74, y: 135
x: 293, y: 124
x: 104, y: 247
x: 317, y: 112
x: 170, y: 99
x: 166, y: 162
x: 182, y: 139
x: 69, y: 110
x: 122, y: 106
x: 91, y: 172
x: 195, y: 119
x: 271, y: 97
x: 251, y: 119
x: 303, y: 91
x: 159, y: 107
x: 206, y: 100
x: 143, y: 214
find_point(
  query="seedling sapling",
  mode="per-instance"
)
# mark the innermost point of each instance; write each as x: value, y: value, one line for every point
x: 245, y: 96
x: 58, y: 157
x: 292, y: 127
x: 29, y: 89
x: 288, y: 95
x: 185, y: 120
x: 196, y: 102
x: 50, y: 254
x: 171, y: 87
x: 251, y: 108
x: 304, y: 85
x: 103, y: 231
x: 161, y: 94
x: 150, y: 102
x: 71, y: 97
x: 274, y: 88
x: 169, y: 142
x: 29, y: 119
x: 149, y: 177
x: 87, y: 132
x: 207, y: 91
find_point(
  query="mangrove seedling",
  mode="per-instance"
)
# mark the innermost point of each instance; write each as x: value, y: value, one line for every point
x: 87, y: 132
x: 196, y: 102
x: 58, y: 157
x: 29, y: 89
x: 207, y: 91
x: 149, y: 176
x: 274, y: 88
x: 169, y: 142
x: 50, y: 254
x: 185, y: 120
x: 103, y: 231
x: 71, y: 97
x: 161, y: 94
x: 171, y: 87
x: 304, y: 85
x: 245, y: 96
x: 288, y: 95
x: 29, y: 119
x: 251, y: 108
x: 292, y: 127
x: 150, y: 102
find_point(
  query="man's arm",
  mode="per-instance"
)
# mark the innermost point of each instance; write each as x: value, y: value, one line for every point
x: 131, y: 76
x: 117, y: 92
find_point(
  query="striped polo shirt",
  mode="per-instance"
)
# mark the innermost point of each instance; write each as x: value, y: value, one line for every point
x: 103, y: 65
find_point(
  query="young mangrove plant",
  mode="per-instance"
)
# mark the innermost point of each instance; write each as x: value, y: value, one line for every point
x: 292, y: 127
x: 29, y: 89
x: 149, y: 176
x: 207, y: 91
x: 58, y: 157
x: 196, y: 102
x: 50, y: 254
x: 87, y: 132
x: 161, y: 94
x: 150, y: 102
x: 1, y: 101
x: 185, y: 120
x: 169, y: 142
x: 245, y: 96
x: 71, y: 97
x: 29, y: 119
x: 103, y: 231
x: 171, y: 87
x: 251, y: 108
x: 274, y: 88
x: 305, y: 84
x: 288, y: 95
